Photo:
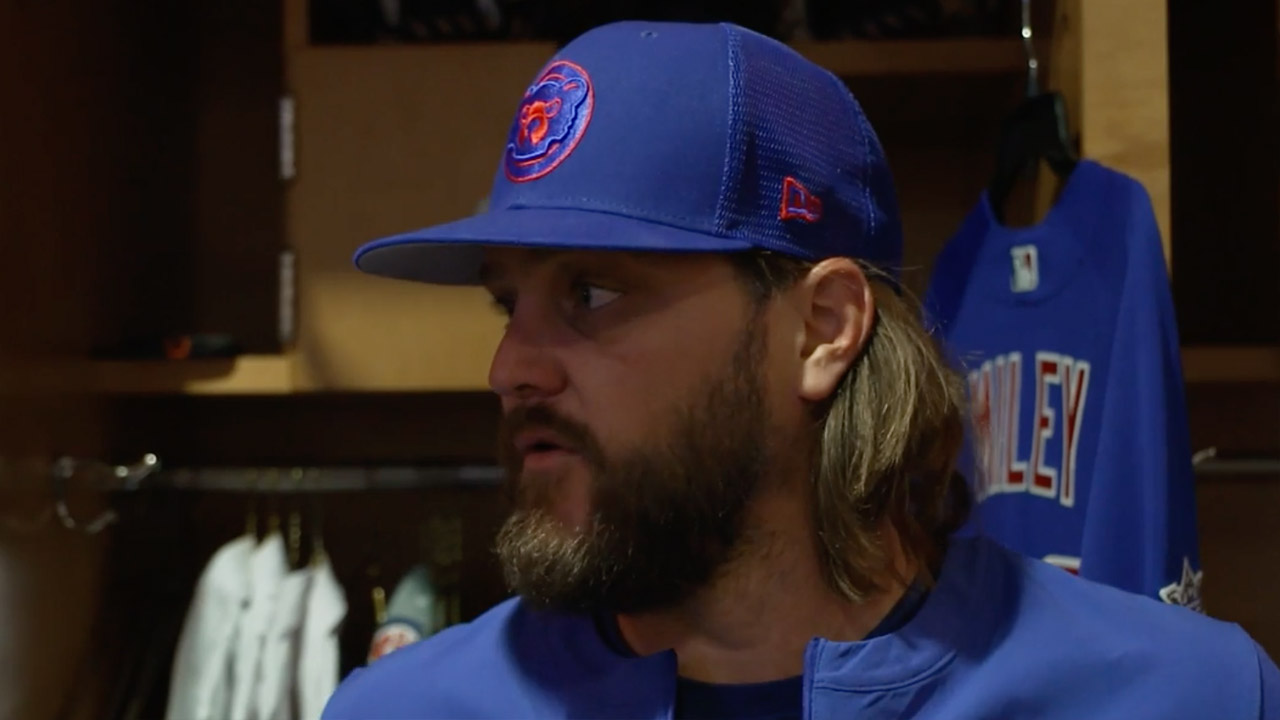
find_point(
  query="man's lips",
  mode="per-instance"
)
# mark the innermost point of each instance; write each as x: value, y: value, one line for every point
x: 540, y: 441
x: 542, y: 450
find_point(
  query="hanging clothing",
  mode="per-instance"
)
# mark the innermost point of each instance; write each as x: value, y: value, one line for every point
x: 276, y: 678
x: 1079, y: 451
x: 319, y: 653
x: 268, y: 567
x: 200, y: 680
x: 416, y: 611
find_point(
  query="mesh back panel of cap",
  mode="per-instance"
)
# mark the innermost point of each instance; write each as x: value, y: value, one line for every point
x: 797, y: 120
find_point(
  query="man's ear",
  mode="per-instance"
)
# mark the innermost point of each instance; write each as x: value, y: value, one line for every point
x: 839, y: 310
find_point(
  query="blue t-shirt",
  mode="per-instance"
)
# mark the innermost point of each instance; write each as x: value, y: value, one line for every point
x: 776, y: 700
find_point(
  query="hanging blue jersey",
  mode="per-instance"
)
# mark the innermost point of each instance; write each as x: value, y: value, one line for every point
x: 999, y: 636
x: 1078, y: 451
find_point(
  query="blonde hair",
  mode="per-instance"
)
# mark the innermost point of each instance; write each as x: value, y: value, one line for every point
x: 886, y: 441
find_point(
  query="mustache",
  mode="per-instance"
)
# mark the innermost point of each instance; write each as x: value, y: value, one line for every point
x: 576, y: 435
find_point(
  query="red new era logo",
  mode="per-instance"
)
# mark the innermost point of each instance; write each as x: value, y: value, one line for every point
x: 798, y: 203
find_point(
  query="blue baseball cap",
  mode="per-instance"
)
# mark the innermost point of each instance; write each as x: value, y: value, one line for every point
x: 675, y: 137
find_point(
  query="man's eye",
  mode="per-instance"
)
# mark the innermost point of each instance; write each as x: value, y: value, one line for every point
x: 593, y: 297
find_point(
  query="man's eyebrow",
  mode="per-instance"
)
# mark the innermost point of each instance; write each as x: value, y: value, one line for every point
x: 491, y: 272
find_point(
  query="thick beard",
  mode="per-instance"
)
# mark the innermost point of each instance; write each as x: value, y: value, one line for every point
x: 668, y: 515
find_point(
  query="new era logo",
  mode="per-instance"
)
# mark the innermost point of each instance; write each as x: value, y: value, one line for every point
x: 798, y: 203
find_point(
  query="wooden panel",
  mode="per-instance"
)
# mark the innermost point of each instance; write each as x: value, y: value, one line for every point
x: 1235, y: 417
x: 391, y: 140
x: 144, y: 283
x: 131, y: 197
x: 1225, y: 100
x: 238, y: 201
x: 243, y: 375
x: 1238, y: 518
x: 948, y: 57
x: 939, y: 134
x: 1211, y: 364
x: 362, y: 334
x: 1124, y: 112
x: 64, y: 81
x: 1239, y: 513
x: 191, y: 237
x: 937, y: 188
x: 320, y: 429
x: 295, y: 26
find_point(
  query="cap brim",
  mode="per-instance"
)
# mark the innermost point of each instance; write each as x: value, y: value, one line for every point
x: 451, y: 254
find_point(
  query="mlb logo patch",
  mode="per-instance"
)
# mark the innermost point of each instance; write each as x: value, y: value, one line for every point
x: 1026, y: 269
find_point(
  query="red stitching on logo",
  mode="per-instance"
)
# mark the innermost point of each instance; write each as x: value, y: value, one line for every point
x: 798, y: 203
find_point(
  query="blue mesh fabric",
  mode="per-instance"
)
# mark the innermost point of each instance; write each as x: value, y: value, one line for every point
x: 794, y: 119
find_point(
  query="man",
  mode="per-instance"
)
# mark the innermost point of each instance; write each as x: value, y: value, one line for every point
x: 730, y: 441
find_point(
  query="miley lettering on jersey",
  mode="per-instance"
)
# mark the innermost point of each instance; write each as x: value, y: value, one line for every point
x: 1040, y: 460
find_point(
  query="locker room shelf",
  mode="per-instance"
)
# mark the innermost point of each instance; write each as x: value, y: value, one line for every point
x: 245, y: 375
x: 1208, y: 364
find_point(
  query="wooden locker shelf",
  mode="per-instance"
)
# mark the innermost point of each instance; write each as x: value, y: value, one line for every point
x: 244, y: 375
x: 1227, y: 364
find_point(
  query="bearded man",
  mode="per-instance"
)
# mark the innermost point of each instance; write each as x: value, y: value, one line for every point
x: 731, y: 442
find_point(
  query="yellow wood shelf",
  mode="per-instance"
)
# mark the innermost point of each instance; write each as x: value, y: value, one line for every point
x: 244, y: 375
x: 1231, y: 364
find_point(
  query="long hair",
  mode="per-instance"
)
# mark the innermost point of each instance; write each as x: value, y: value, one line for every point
x: 886, y: 440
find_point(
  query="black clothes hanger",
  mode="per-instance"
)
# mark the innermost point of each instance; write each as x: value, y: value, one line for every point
x: 1036, y: 130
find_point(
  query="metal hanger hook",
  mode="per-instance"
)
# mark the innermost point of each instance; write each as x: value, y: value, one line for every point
x: 1033, y: 65
x: 133, y: 475
x: 65, y: 468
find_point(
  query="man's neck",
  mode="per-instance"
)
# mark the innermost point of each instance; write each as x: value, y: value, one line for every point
x: 753, y: 623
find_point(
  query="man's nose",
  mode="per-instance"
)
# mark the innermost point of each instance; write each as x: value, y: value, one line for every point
x: 526, y: 365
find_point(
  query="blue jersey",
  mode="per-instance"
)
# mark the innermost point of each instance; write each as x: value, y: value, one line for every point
x: 1078, y: 451
x: 999, y: 636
